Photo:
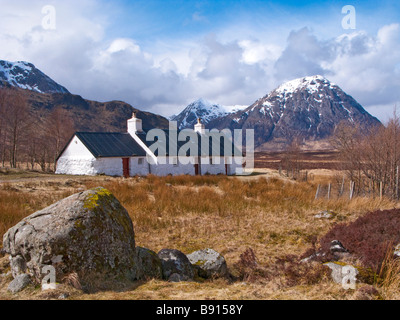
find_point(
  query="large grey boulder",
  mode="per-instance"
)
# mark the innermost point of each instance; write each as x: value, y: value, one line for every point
x: 89, y: 233
x: 209, y: 263
x: 175, y: 265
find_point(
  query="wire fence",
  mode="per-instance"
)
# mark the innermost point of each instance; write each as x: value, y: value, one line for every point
x: 350, y: 189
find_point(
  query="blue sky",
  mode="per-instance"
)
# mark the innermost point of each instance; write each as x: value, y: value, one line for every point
x: 162, y: 55
x: 155, y: 19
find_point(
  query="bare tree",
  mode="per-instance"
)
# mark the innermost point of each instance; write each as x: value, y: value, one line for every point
x: 2, y: 125
x: 371, y: 160
x: 16, y: 122
x: 59, y: 127
x: 291, y: 162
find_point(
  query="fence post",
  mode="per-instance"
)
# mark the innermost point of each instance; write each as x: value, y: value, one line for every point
x: 351, y: 189
x: 329, y: 191
x: 316, y: 195
x: 342, y: 188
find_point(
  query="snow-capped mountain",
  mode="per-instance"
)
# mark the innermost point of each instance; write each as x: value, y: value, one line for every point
x: 309, y: 108
x: 25, y: 75
x: 200, y: 109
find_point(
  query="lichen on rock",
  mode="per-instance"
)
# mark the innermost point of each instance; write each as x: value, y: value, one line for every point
x: 89, y: 233
x: 209, y: 263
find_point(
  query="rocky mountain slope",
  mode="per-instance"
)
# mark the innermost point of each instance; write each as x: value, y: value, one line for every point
x: 25, y: 75
x: 202, y: 109
x: 308, y: 109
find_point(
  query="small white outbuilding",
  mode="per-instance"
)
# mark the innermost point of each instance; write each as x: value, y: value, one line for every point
x: 131, y: 154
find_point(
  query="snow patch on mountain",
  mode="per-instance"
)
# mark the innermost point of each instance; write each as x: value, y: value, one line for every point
x: 204, y: 110
x: 311, y: 84
x: 26, y: 76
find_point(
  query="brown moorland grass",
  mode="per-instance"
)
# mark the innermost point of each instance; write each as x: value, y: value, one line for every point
x: 271, y: 216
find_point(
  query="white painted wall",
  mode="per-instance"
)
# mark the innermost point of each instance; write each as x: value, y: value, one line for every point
x: 77, y: 150
x: 108, y: 166
x: 77, y: 167
x: 77, y: 160
x: 166, y: 168
x: 139, y: 168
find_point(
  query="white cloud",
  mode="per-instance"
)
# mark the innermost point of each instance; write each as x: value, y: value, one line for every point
x: 164, y: 78
x: 363, y: 65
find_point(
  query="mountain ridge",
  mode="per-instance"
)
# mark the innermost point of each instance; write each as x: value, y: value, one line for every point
x: 308, y: 108
x: 199, y: 109
x: 25, y: 75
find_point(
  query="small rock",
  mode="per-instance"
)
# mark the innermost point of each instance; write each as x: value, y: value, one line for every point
x: 397, y: 250
x: 63, y: 296
x: 339, y: 251
x: 174, y: 261
x: 150, y: 263
x: 19, y: 283
x: 209, y: 263
x: 340, y: 271
x: 337, y: 246
x: 313, y: 257
x: 327, y: 214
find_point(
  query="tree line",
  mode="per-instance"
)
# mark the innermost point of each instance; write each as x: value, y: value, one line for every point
x: 367, y: 158
x: 30, y: 137
x: 371, y: 160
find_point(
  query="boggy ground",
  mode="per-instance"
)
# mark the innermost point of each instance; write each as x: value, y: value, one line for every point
x: 272, y: 216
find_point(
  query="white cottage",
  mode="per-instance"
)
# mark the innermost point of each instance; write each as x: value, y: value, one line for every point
x: 131, y: 154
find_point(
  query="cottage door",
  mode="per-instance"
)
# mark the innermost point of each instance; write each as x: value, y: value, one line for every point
x: 126, y: 169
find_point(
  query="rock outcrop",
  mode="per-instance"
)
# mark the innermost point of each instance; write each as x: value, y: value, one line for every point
x: 89, y: 233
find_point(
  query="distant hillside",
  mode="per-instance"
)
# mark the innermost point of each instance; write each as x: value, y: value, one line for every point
x: 93, y: 116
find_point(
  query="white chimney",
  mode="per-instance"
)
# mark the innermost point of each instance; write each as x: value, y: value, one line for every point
x: 134, y: 125
x: 199, y: 127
